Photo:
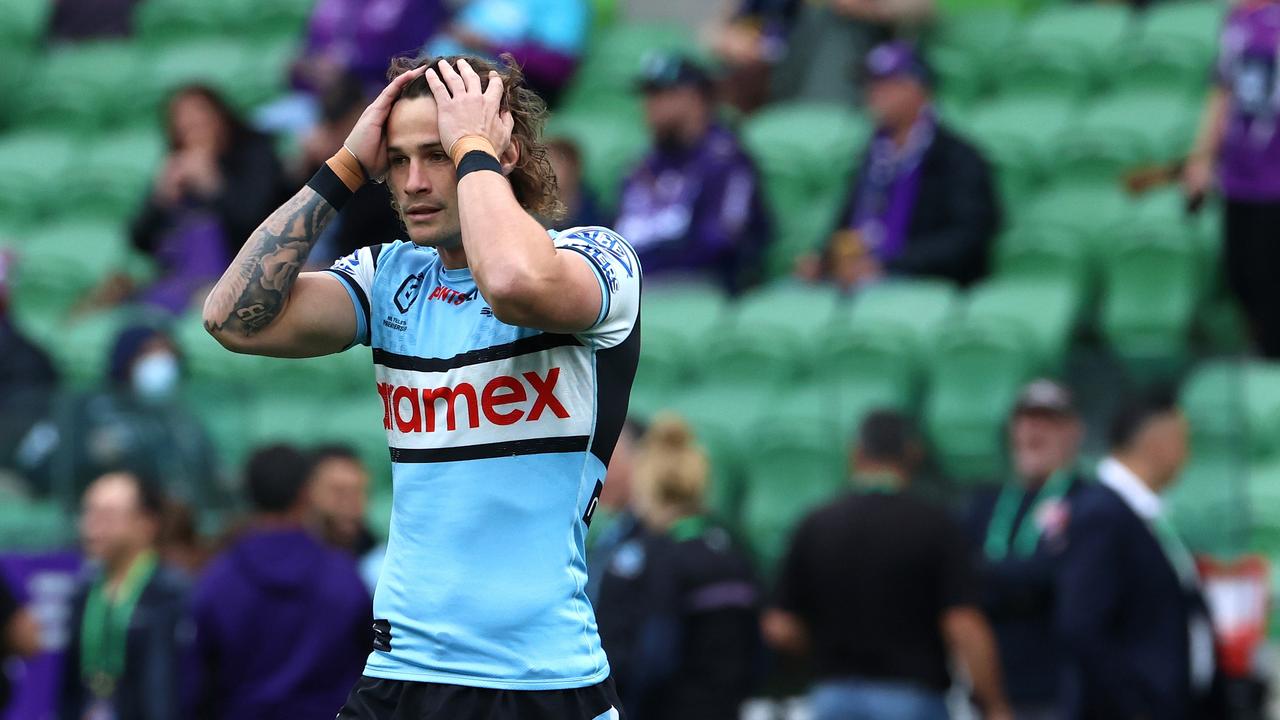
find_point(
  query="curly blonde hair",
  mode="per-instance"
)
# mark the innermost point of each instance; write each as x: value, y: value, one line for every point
x: 533, y: 179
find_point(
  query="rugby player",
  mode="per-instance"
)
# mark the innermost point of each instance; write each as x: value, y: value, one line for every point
x: 504, y: 357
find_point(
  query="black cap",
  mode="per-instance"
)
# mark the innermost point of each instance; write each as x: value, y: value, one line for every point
x: 1044, y: 396
x: 664, y: 71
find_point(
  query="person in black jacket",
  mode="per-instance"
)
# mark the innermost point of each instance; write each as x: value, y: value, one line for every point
x: 219, y: 181
x: 130, y: 637
x: 679, y: 605
x: 923, y: 202
x: 1018, y: 532
x: 1130, y: 607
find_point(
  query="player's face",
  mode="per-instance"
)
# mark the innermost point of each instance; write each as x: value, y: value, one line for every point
x: 421, y: 175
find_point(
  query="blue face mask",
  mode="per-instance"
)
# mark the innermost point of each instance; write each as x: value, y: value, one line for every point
x: 155, y: 377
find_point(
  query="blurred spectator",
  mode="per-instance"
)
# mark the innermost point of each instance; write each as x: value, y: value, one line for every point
x: 129, y: 634
x: 219, y: 181
x: 76, y: 20
x: 282, y: 622
x: 877, y: 587
x: 27, y: 376
x: 1130, y: 607
x: 339, y: 495
x: 614, y: 525
x: 19, y: 636
x: 367, y: 218
x: 1239, y: 144
x: 679, y: 606
x: 581, y: 208
x: 360, y: 37
x: 693, y: 204
x: 750, y: 42
x: 829, y: 35
x: 1020, y: 532
x: 924, y: 201
x: 136, y: 422
x: 545, y: 37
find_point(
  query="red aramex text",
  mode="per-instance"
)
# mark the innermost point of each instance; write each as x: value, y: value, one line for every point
x: 411, y: 409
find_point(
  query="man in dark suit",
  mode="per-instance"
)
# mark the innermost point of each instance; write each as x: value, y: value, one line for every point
x: 1130, y: 607
x: 1018, y: 532
x: 924, y: 202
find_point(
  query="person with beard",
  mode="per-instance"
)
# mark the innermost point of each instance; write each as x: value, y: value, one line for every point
x: 693, y: 204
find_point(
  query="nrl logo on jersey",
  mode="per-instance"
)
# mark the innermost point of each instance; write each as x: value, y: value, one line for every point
x: 408, y: 292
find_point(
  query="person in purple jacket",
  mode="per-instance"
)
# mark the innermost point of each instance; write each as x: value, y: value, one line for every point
x: 1239, y: 147
x: 282, y: 621
x: 692, y: 205
x: 360, y: 37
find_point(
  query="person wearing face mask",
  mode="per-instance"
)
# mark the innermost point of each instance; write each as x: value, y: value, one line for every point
x: 923, y: 202
x: 1018, y: 532
x: 136, y: 422
x: 692, y: 205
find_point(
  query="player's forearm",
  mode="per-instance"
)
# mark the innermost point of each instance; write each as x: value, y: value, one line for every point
x: 254, y: 290
x: 510, y: 255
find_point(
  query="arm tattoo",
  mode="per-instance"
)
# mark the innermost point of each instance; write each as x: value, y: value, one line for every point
x: 253, y: 290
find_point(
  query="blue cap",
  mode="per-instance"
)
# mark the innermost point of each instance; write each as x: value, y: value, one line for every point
x: 663, y: 71
x: 897, y: 60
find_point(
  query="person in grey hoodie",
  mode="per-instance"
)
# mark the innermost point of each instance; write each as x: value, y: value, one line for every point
x: 282, y: 621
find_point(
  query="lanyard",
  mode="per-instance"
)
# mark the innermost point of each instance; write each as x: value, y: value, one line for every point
x: 105, y: 628
x: 1001, y: 540
x: 689, y: 528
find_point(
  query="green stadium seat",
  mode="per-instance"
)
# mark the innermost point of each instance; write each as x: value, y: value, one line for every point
x: 869, y: 365
x: 1046, y: 311
x: 59, y: 264
x: 611, y: 144
x: 210, y: 363
x: 81, y: 87
x: 24, y: 22
x: 115, y: 172
x: 977, y: 31
x: 1153, y: 284
x: 166, y: 20
x: 1091, y: 212
x: 279, y: 18
x: 1207, y: 502
x: 1044, y: 254
x: 34, y: 167
x: 224, y: 411
x: 616, y: 56
x: 1189, y: 24
x: 1167, y: 208
x: 35, y: 525
x: 1065, y: 49
x: 806, y: 154
x: 676, y: 321
x: 921, y: 308
x: 790, y: 469
x: 1234, y: 408
x: 221, y: 64
x: 1124, y: 130
x: 974, y: 381
x: 266, y: 72
x: 1016, y: 133
x: 84, y: 344
x: 771, y: 333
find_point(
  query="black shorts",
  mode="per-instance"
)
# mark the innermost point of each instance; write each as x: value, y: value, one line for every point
x: 379, y: 699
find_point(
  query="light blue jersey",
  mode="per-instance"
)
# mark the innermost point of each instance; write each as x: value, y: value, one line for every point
x: 499, y: 438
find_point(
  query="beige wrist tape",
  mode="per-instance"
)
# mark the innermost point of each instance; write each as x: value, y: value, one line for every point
x: 466, y: 144
x: 345, y: 165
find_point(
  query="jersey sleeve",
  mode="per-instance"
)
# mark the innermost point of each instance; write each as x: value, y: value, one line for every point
x: 356, y: 271
x: 617, y: 268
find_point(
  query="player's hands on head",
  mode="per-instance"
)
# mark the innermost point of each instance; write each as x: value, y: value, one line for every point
x: 368, y: 139
x: 464, y: 109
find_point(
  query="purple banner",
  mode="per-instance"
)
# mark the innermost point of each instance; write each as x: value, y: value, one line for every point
x: 45, y: 583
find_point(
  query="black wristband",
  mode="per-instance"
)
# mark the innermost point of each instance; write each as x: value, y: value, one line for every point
x: 329, y: 186
x: 478, y: 160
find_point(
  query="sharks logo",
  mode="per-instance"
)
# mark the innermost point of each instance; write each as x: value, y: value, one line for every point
x: 408, y: 292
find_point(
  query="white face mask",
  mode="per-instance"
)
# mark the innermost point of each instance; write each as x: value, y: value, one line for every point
x: 155, y: 376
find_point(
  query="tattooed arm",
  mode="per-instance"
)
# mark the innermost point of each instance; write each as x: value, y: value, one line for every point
x: 264, y: 306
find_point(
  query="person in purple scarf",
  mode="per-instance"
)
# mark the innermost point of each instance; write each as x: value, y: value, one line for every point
x: 923, y: 202
x: 282, y: 621
x: 692, y: 206
x: 1239, y: 148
